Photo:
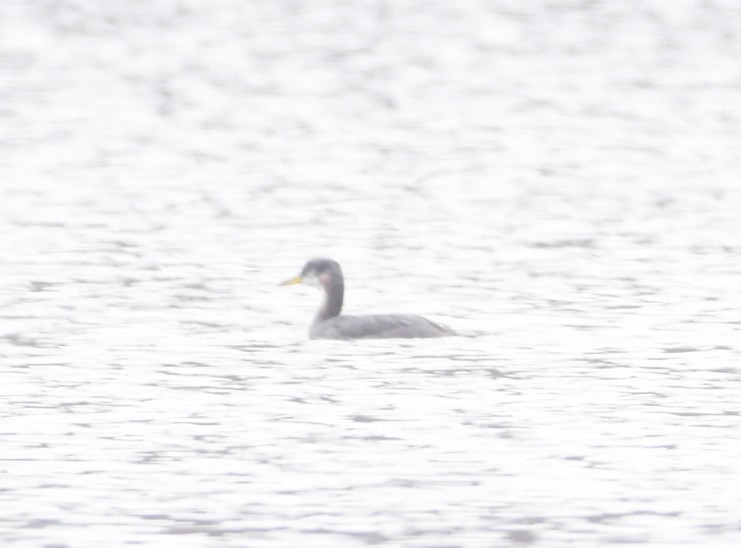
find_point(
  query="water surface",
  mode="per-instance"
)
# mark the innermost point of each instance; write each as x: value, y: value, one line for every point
x: 556, y: 180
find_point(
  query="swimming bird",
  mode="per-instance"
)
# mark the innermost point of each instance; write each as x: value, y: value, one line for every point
x: 330, y: 324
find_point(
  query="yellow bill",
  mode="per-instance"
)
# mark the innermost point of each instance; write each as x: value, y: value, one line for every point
x: 293, y: 281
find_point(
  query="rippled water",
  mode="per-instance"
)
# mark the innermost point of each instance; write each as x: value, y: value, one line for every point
x: 557, y: 180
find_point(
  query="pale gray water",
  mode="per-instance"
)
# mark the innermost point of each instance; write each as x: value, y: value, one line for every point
x: 559, y: 180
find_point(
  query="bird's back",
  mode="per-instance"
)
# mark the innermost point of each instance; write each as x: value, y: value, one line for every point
x: 378, y: 326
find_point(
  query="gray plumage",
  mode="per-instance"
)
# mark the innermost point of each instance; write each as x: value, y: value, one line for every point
x: 329, y: 323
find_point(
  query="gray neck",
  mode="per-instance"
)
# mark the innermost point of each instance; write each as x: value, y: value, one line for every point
x: 334, y: 294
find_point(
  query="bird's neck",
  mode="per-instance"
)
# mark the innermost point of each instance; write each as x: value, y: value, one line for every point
x: 334, y: 292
